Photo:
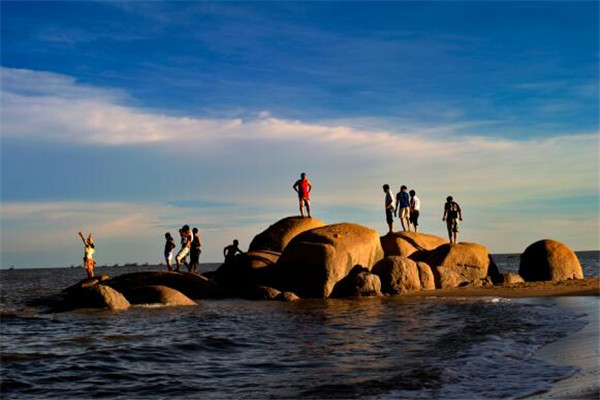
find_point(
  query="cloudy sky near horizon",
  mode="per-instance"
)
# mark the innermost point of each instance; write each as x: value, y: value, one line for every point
x: 133, y: 118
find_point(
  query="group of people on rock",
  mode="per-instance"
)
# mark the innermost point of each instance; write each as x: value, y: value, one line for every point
x: 406, y: 205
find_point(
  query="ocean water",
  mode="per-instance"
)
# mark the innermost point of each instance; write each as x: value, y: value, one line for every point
x: 378, y: 348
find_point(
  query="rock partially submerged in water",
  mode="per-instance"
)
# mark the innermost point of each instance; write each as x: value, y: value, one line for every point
x: 193, y: 286
x: 549, y: 260
x: 277, y: 236
x: 89, y: 294
x: 455, y: 265
x: 410, y: 244
x: 314, y: 261
x: 511, y: 278
x: 157, y: 294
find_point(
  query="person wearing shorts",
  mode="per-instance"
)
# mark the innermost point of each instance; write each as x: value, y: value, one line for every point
x: 415, y: 206
x: 88, y: 255
x: 195, y: 252
x: 389, y: 208
x: 186, y: 243
x: 403, y: 207
x: 452, y: 216
x: 169, y: 247
x: 303, y: 186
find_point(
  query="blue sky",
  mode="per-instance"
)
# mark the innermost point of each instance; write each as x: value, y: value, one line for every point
x: 133, y: 118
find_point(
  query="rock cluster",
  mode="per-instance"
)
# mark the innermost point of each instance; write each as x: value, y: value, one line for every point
x: 304, y: 257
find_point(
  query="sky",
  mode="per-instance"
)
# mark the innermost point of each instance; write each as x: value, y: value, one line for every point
x: 132, y: 118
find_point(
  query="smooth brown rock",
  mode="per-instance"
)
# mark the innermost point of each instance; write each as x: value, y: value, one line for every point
x: 315, y: 260
x: 158, y: 294
x: 398, y: 274
x: 360, y: 282
x: 426, y: 276
x: 96, y: 296
x: 549, y: 260
x: 510, y: 277
x: 410, y: 244
x: 459, y: 264
x: 261, y: 259
x: 287, y: 296
x: 193, y: 286
x: 277, y: 236
x: 263, y: 293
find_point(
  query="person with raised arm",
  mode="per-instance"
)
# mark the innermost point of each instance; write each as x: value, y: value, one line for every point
x: 88, y: 254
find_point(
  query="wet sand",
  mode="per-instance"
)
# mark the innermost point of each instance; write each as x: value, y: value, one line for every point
x: 581, y: 350
x: 577, y: 287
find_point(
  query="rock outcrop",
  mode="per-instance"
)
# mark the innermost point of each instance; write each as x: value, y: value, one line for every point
x: 426, y: 276
x: 287, y: 296
x: 157, y: 294
x: 410, y: 244
x: 193, y: 286
x: 360, y: 282
x: 87, y: 294
x: 277, y: 236
x: 398, y: 274
x: 549, y: 260
x: 315, y: 260
x: 459, y: 264
x: 510, y: 278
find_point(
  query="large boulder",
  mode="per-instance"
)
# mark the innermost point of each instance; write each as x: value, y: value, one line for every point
x: 90, y: 296
x: 193, y: 286
x: 460, y: 264
x: 549, y: 260
x: 410, y: 244
x: 315, y: 260
x: 360, y: 282
x: 426, y: 276
x: 157, y: 294
x: 398, y: 274
x: 240, y: 277
x: 277, y: 236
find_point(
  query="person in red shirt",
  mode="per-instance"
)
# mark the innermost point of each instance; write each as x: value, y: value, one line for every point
x: 303, y: 187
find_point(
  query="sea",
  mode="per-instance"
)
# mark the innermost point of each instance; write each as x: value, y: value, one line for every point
x: 373, y: 348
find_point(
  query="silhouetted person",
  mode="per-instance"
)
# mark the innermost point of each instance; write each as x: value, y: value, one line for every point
x: 403, y: 207
x: 452, y: 214
x: 389, y: 207
x: 195, y: 252
x: 415, y: 206
x: 88, y: 255
x: 169, y: 246
x: 230, y: 251
x: 303, y: 187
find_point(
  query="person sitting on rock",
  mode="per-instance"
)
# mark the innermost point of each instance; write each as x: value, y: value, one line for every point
x: 415, y: 206
x: 88, y: 255
x: 230, y: 251
x: 186, y: 243
x: 403, y: 207
x: 452, y: 214
x: 389, y: 207
x: 169, y: 246
x: 195, y: 252
x: 303, y: 187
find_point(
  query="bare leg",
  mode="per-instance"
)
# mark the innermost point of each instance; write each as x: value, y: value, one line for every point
x: 391, y: 226
x: 455, y: 237
x: 301, y: 208
x: 307, y: 202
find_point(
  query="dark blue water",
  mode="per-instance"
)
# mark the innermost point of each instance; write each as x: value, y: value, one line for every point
x: 390, y: 347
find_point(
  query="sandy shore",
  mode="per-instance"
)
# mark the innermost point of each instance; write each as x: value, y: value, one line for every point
x: 579, y: 287
x: 581, y: 349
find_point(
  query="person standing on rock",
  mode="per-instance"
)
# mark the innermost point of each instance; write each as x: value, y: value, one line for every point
x: 303, y: 187
x: 452, y: 214
x: 389, y: 208
x: 415, y: 206
x: 169, y: 246
x: 195, y: 252
x: 186, y: 243
x: 403, y: 207
x: 230, y: 251
x: 88, y: 255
